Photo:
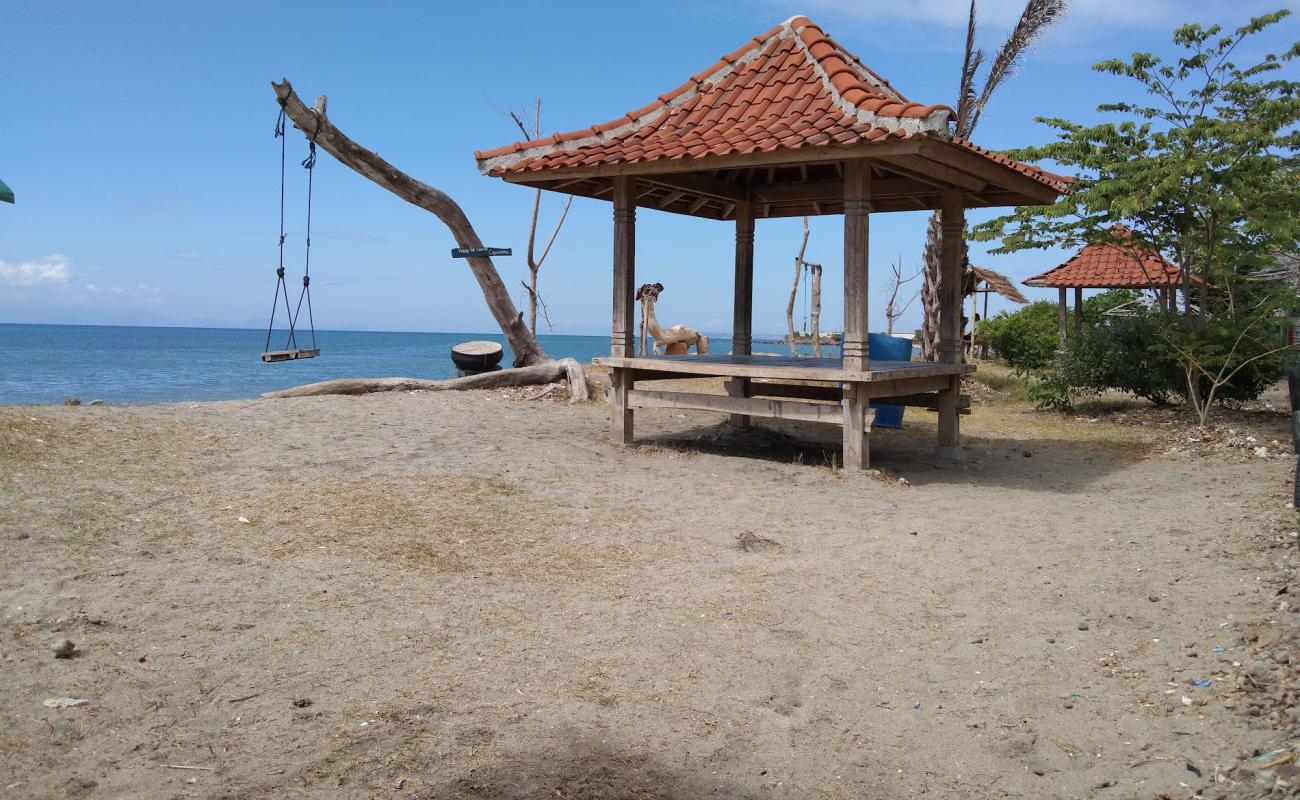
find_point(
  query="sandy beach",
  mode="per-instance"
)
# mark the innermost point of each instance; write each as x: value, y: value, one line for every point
x: 471, y: 595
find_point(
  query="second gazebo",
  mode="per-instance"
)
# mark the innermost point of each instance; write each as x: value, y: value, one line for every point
x: 790, y: 124
x: 1115, y: 264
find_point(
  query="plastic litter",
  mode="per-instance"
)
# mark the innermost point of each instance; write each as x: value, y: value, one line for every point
x: 1219, y: 649
x: 1201, y: 682
x: 917, y: 705
x: 65, y: 702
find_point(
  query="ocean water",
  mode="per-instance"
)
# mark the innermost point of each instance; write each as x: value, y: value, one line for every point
x: 120, y: 364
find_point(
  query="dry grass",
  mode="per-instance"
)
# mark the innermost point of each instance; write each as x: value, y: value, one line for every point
x: 446, y: 523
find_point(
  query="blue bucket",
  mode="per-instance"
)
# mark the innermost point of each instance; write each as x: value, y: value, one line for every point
x: 881, y: 347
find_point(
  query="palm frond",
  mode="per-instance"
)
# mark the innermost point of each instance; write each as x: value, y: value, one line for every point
x: 1038, y: 16
x: 969, y: 67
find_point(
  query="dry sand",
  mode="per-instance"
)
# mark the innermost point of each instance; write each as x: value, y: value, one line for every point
x: 465, y: 595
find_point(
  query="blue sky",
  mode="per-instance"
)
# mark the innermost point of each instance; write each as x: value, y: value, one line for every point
x: 138, y: 140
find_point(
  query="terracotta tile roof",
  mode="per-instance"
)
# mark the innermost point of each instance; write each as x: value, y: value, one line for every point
x: 1112, y: 265
x: 792, y: 87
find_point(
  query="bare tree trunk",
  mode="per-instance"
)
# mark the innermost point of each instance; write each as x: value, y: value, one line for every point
x: 816, y: 309
x: 930, y: 291
x: 533, y: 266
x: 794, y: 291
x: 316, y: 126
x: 566, y: 369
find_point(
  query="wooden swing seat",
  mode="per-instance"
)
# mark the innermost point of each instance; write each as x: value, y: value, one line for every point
x: 290, y: 355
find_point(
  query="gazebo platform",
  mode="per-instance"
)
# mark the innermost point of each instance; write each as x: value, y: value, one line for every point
x: 781, y: 387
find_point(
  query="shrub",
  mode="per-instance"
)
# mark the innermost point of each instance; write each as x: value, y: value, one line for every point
x: 1124, y: 353
x: 1026, y: 339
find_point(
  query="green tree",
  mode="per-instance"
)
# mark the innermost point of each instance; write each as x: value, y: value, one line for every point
x: 1204, y: 174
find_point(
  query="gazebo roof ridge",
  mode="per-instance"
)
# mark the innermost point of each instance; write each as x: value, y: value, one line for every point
x: 857, y: 90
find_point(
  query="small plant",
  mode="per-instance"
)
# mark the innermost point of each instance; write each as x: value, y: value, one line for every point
x: 1047, y: 388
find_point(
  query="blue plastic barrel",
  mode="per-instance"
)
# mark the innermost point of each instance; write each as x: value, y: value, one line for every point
x: 881, y: 347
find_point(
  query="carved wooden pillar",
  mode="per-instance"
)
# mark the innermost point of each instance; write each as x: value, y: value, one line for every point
x: 624, y: 265
x: 621, y: 344
x: 951, y: 234
x: 857, y: 208
x: 742, y: 333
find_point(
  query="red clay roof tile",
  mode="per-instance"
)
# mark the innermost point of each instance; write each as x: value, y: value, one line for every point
x: 791, y: 87
x: 1111, y: 265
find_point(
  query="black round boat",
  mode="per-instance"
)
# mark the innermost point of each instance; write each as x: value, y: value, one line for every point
x: 476, y: 356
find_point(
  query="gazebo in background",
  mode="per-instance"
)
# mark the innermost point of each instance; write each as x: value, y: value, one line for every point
x: 1110, y: 265
x: 790, y: 124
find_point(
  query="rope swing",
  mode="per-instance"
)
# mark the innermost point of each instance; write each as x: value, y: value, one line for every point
x: 292, y: 351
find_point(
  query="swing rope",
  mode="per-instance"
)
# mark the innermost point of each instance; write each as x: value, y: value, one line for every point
x: 308, y: 163
x: 281, y: 286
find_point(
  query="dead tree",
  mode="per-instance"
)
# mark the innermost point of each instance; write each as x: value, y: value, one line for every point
x: 317, y: 127
x: 816, y: 295
x: 893, y: 312
x: 794, y: 291
x: 535, y: 260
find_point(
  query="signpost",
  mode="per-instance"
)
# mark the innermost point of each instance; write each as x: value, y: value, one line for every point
x: 479, y: 252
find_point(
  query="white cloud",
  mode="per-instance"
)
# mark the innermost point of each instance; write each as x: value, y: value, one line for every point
x: 52, y: 270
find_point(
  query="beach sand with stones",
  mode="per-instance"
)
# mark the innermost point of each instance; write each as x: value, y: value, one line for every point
x: 470, y: 595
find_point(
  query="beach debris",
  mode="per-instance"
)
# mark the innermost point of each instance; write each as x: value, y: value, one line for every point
x: 917, y: 705
x: 95, y: 403
x: 244, y: 521
x: 1192, y: 768
x: 748, y: 542
x: 1083, y: 626
x: 72, y: 401
x: 1187, y: 701
x: 1153, y: 597
x: 63, y: 648
x: 302, y: 702
x: 1202, y: 682
x: 1219, y: 648
x: 65, y: 702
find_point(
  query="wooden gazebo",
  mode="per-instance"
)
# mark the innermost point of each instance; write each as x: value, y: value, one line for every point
x: 790, y: 124
x: 1116, y: 264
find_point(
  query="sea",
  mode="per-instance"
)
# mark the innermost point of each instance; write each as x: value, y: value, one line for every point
x: 41, y: 364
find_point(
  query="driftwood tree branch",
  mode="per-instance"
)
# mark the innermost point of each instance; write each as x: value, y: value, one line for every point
x: 315, y: 124
x: 566, y: 369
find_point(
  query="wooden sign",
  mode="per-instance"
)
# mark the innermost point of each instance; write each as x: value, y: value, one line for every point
x: 479, y: 252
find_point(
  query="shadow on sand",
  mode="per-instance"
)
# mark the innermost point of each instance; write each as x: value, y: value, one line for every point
x: 585, y: 771
x: 1038, y: 464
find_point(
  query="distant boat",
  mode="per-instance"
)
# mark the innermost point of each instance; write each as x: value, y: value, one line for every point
x: 476, y: 356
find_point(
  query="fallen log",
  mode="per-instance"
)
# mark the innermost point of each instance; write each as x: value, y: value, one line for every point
x: 564, y: 369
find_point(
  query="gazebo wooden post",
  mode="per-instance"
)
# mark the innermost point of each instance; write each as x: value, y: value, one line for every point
x: 952, y: 229
x: 743, y: 314
x: 857, y: 210
x: 1078, y: 309
x: 1061, y: 314
x: 621, y: 344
